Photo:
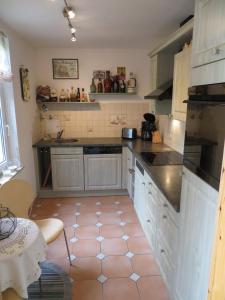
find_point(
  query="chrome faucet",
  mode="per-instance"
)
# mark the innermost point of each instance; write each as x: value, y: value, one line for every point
x: 59, y: 134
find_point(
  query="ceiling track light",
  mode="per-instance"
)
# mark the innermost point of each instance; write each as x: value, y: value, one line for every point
x: 69, y: 14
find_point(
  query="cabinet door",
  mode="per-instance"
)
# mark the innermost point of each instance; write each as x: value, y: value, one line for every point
x: 67, y: 172
x: 198, y: 213
x: 139, y: 196
x: 102, y: 171
x: 181, y: 83
x: 209, y: 38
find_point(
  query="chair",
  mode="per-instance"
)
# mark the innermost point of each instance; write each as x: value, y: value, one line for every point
x: 10, y: 294
x: 18, y: 196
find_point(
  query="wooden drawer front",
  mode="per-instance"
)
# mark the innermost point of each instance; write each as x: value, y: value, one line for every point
x: 169, y: 233
x: 67, y: 150
x: 152, y: 205
x: 165, y: 265
x: 150, y: 230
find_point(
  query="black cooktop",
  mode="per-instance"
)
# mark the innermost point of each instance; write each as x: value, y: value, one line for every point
x: 162, y: 158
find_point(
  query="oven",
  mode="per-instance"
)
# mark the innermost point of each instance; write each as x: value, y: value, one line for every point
x: 205, y: 132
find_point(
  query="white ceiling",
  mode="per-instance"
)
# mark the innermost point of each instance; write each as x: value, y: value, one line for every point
x: 99, y: 23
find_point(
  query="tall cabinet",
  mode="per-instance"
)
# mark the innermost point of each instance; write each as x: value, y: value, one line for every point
x: 181, y: 83
x: 197, y: 231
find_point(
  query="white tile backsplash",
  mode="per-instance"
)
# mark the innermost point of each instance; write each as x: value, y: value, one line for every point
x: 107, y: 121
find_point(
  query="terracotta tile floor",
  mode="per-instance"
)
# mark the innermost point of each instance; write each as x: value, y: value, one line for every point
x: 111, y: 256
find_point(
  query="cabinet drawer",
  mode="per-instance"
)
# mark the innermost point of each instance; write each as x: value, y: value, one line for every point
x: 67, y: 150
x: 150, y: 230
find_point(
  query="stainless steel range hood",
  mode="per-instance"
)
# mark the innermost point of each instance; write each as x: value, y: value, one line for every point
x: 164, y: 92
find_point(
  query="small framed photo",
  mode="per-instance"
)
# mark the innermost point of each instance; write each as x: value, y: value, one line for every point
x: 99, y: 74
x: 65, y: 68
x: 121, y: 72
x: 25, y: 84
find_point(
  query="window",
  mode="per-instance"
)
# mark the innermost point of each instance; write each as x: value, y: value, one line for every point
x: 8, y: 133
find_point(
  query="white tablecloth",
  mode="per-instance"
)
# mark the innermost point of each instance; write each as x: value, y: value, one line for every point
x: 19, y: 257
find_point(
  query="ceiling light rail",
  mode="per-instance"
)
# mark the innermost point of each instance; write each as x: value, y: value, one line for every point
x: 69, y: 14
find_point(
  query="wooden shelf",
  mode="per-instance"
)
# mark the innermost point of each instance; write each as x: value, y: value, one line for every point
x: 112, y: 94
x: 68, y: 103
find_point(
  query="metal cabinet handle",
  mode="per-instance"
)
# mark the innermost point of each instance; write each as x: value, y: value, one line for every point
x: 131, y: 171
x: 150, y: 193
x: 217, y: 51
x: 165, y: 205
x: 143, y: 183
x: 148, y: 221
x: 150, y: 183
x: 162, y: 251
x: 164, y: 217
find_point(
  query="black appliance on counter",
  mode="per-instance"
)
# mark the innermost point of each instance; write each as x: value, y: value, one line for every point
x: 162, y: 158
x: 147, y: 127
x: 205, y: 132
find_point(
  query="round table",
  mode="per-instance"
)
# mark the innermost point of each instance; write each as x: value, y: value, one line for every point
x: 19, y: 257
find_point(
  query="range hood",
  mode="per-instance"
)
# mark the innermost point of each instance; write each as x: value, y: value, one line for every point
x: 164, y: 92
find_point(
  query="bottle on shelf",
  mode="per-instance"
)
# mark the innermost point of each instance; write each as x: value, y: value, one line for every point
x: 82, y: 97
x: 131, y: 83
x: 93, y: 86
x: 107, y: 83
x: 72, y: 94
x: 116, y: 85
x: 78, y: 95
x: 100, y: 86
x: 122, y: 86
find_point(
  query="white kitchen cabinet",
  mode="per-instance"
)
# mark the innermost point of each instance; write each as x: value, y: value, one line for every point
x: 103, y: 171
x: 67, y: 172
x: 181, y: 83
x: 197, y: 229
x: 139, y: 194
x: 209, y: 38
x: 130, y: 173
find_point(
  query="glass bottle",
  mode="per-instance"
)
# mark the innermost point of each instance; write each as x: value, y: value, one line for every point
x: 131, y: 84
x: 107, y: 83
x: 93, y: 86
x: 78, y: 94
x: 122, y: 86
x: 82, y: 97
x: 116, y: 86
x: 100, y: 86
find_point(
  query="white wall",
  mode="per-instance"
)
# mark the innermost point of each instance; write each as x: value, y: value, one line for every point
x: 135, y: 61
x: 26, y: 112
x: 173, y: 132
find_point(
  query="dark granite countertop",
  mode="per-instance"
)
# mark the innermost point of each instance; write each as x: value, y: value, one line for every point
x: 167, y: 178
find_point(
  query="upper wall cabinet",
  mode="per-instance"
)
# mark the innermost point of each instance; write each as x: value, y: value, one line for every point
x: 209, y: 37
x: 181, y: 83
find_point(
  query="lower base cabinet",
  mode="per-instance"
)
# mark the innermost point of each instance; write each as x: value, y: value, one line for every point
x: 103, y: 171
x: 197, y: 231
x: 67, y: 172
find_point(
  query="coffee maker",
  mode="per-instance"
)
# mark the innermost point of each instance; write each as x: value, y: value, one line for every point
x: 148, y: 126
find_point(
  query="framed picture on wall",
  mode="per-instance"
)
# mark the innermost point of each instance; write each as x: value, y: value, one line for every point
x: 25, y: 84
x: 65, y: 68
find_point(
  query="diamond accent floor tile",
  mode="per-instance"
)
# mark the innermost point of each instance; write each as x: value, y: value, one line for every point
x: 100, y: 256
x: 38, y: 205
x: 125, y: 237
x: 98, y: 225
x: 55, y: 215
x: 119, y: 212
x: 58, y: 204
x: 98, y: 203
x: 117, y: 202
x: 134, y: 277
x: 122, y: 223
x: 102, y: 278
x: 98, y: 213
x: 72, y: 257
x: 73, y: 240
x: 78, y: 204
x: 76, y: 225
x: 77, y: 214
x: 100, y: 238
x: 34, y: 216
x: 129, y: 254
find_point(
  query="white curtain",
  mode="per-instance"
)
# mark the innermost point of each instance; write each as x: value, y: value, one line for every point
x: 5, y: 67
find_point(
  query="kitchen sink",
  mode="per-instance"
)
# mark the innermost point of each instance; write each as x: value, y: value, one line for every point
x: 64, y: 141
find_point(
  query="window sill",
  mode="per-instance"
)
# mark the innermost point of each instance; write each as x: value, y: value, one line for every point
x: 5, y: 178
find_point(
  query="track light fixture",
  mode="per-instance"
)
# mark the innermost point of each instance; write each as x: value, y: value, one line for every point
x: 69, y: 14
